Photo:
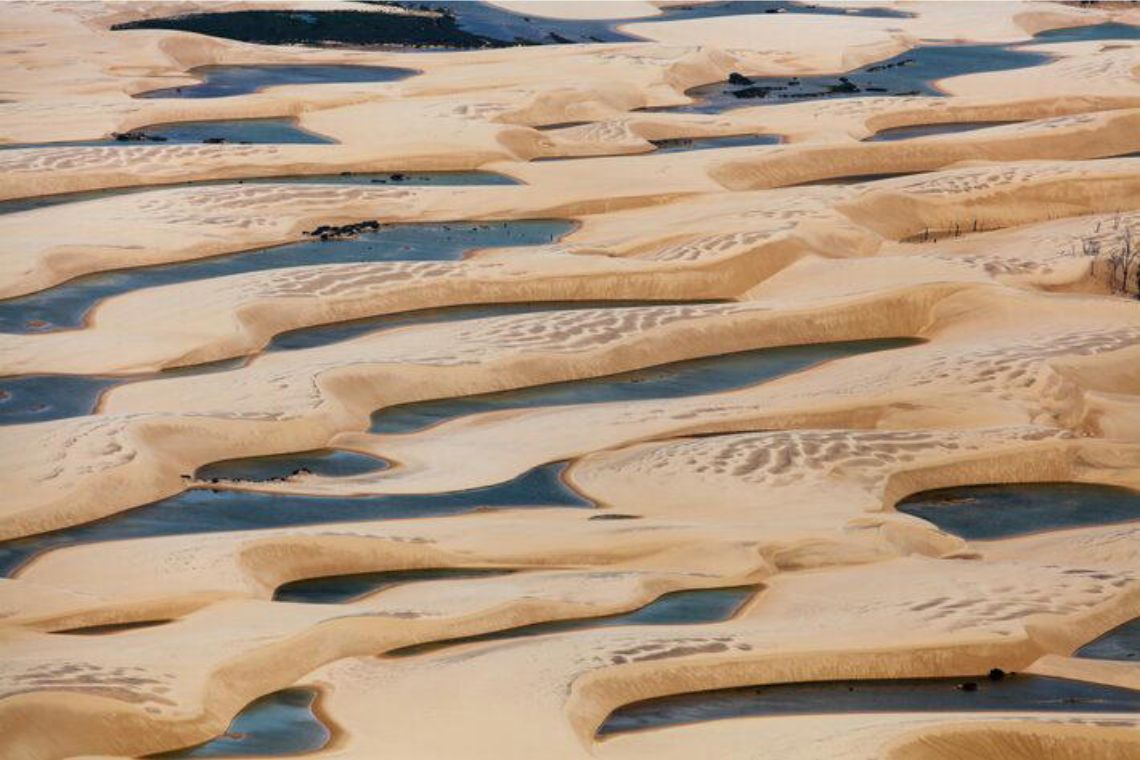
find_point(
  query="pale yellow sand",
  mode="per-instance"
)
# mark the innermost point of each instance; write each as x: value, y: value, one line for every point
x: 1029, y: 371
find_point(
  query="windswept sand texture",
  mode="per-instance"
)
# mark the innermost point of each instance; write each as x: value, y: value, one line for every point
x: 992, y: 275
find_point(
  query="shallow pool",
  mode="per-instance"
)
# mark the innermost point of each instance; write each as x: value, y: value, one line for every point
x: 281, y: 723
x: 207, y: 511
x: 1011, y: 693
x: 706, y: 375
x: 678, y: 608
x: 1121, y: 643
x: 240, y: 131
x: 337, y: 589
x: 225, y: 81
x: 461, y: 178
x: 911, y: 73
x: 66, y: 306
x: 988, y: 512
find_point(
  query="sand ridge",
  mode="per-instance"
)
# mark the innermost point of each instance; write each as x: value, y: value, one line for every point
x: 992, y: 254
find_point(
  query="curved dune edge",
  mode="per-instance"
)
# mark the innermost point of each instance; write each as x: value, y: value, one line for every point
x: 601, y: 695
x: 159, y: 56
x: 896, y: 737
x: 994, y: 255
x: 486, y: 124
x: 612, y: 678
x: 597, y: 691
x: 862, y: 513
x: 138, y: 228
x: 676, y: 261
x: 119, y: 428
x: 312, y: 400
x: 997, y: 143
x: 817, y: 397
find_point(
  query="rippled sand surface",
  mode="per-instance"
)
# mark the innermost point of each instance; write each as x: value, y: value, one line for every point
x: 791, y: 409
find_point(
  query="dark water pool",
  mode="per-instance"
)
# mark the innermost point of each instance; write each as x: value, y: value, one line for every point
x: 926, y: 130
x: 110, y: 628
x: 224, y: 81
x: 40, y: 398
x: 242, y: 131
x: 1012, y: 693
x: 281, y: 723
x: 1096, y: 32
x: 683, y: 144
x: 344, y: 178
x: 461, y: 24
x: 706, y: 375
x: 234, y: 131
x: 336, y: 589
x: 324, y: 462
x: 1121, y: 643
x: 205, y: 511
x: 911, y: 73
x: 66, y: 306
x: 676, y: 608
x: 981, y: 513
x: 202, y: 510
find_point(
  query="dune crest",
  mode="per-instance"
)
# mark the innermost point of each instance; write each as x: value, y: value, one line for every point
x: 632, y: 393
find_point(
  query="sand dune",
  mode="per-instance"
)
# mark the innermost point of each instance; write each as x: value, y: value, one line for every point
x: 684, y: 425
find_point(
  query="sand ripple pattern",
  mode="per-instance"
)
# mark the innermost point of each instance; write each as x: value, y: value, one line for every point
x: 1018, y: 366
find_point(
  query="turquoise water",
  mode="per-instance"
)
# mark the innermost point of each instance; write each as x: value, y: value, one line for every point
x: 987, y: 512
